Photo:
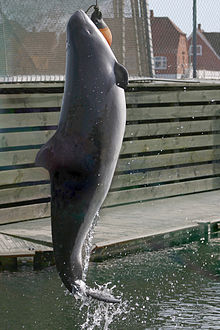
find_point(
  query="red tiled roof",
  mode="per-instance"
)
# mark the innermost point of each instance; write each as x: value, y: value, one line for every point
x: 165, y: 35
x: 214, y: 39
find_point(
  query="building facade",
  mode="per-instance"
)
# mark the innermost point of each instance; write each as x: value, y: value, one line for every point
x: 208, y: 54
x: 170, y: 48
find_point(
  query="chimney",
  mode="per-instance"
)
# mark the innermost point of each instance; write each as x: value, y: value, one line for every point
x: 199, y: 27
x: 151, y: 13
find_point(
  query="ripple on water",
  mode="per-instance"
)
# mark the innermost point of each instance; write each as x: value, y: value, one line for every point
x: 171, y: 289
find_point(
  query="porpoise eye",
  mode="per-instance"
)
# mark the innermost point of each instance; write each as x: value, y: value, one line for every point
x: 87, y: 31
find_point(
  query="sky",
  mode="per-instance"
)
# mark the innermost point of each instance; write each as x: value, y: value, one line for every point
x: 180, y: 12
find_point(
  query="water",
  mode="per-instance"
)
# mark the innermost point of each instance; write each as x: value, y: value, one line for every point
x: 88, y: 246
x: 171, y: 289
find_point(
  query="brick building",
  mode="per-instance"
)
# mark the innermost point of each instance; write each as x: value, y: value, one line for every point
x: 170, y: 48
x: 208, y: 54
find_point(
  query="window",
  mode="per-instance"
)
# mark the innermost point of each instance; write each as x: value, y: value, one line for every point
x: 160, y: 62
x: 198, y: 50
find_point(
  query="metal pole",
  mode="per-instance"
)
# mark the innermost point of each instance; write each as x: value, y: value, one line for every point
x: 123, y: 33
x: 149, y: 45
x: 4, y: 43
x: 194, y: 39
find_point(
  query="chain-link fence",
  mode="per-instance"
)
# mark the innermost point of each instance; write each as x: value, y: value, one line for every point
x: 172, y: 35
x: 152, y: 38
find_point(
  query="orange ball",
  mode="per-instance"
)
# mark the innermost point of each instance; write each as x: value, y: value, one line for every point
x: 107, y: 34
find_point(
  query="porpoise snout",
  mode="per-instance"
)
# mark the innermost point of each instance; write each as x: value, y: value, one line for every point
x: 78, y: 20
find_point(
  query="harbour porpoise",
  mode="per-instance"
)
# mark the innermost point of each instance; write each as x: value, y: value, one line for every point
x: 81, y: 156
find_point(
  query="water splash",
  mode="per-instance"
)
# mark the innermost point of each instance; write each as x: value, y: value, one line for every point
x: 83, y: 292
x: 88, y: 246
x: 100, y: 314
x: 97, y: 313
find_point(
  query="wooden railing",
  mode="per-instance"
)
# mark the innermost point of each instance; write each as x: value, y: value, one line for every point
x: 171, y: 144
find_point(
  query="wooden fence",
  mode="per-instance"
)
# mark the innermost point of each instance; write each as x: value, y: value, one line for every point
x: 171, y: 144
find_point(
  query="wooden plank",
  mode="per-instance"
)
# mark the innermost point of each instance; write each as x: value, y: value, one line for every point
x: 16, y: 101
x: 23, y: 175
x: 131, y: 163
x: 25, y: 138
x: 41, y: 137
x: 36, y: 229
x: 189, y: 157
x: 172, y: 112
x: 16, y: 120
x: 37, y: 211
x: 161, y: 191
x: 27, y: 212
x: 146, y: 83
x: 172, y: 84
x: 32, y: 85
x: 54, y: 100
x: 17, y: 139
x: 131, y: 130
x: 164, y: 175
x: 18, y: 157
x: 123, y: 180
x: 146, y: 97
x: 170, y: 128
x: 12, y: 195
x: 180, y: 142
x: 39, y: 100
x: 13, y: 246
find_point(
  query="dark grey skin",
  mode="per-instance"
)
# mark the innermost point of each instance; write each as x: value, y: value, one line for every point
x: 81, y: 157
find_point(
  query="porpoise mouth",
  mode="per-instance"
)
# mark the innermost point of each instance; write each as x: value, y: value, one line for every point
x: 78, y: 20
x: 80, y: 14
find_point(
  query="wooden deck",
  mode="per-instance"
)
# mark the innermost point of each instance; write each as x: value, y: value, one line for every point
x: 13, y: 246
x: 171, y: 145
x: 123, y: 229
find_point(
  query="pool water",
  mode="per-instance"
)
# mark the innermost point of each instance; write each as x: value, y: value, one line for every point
x: 170, y: 289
